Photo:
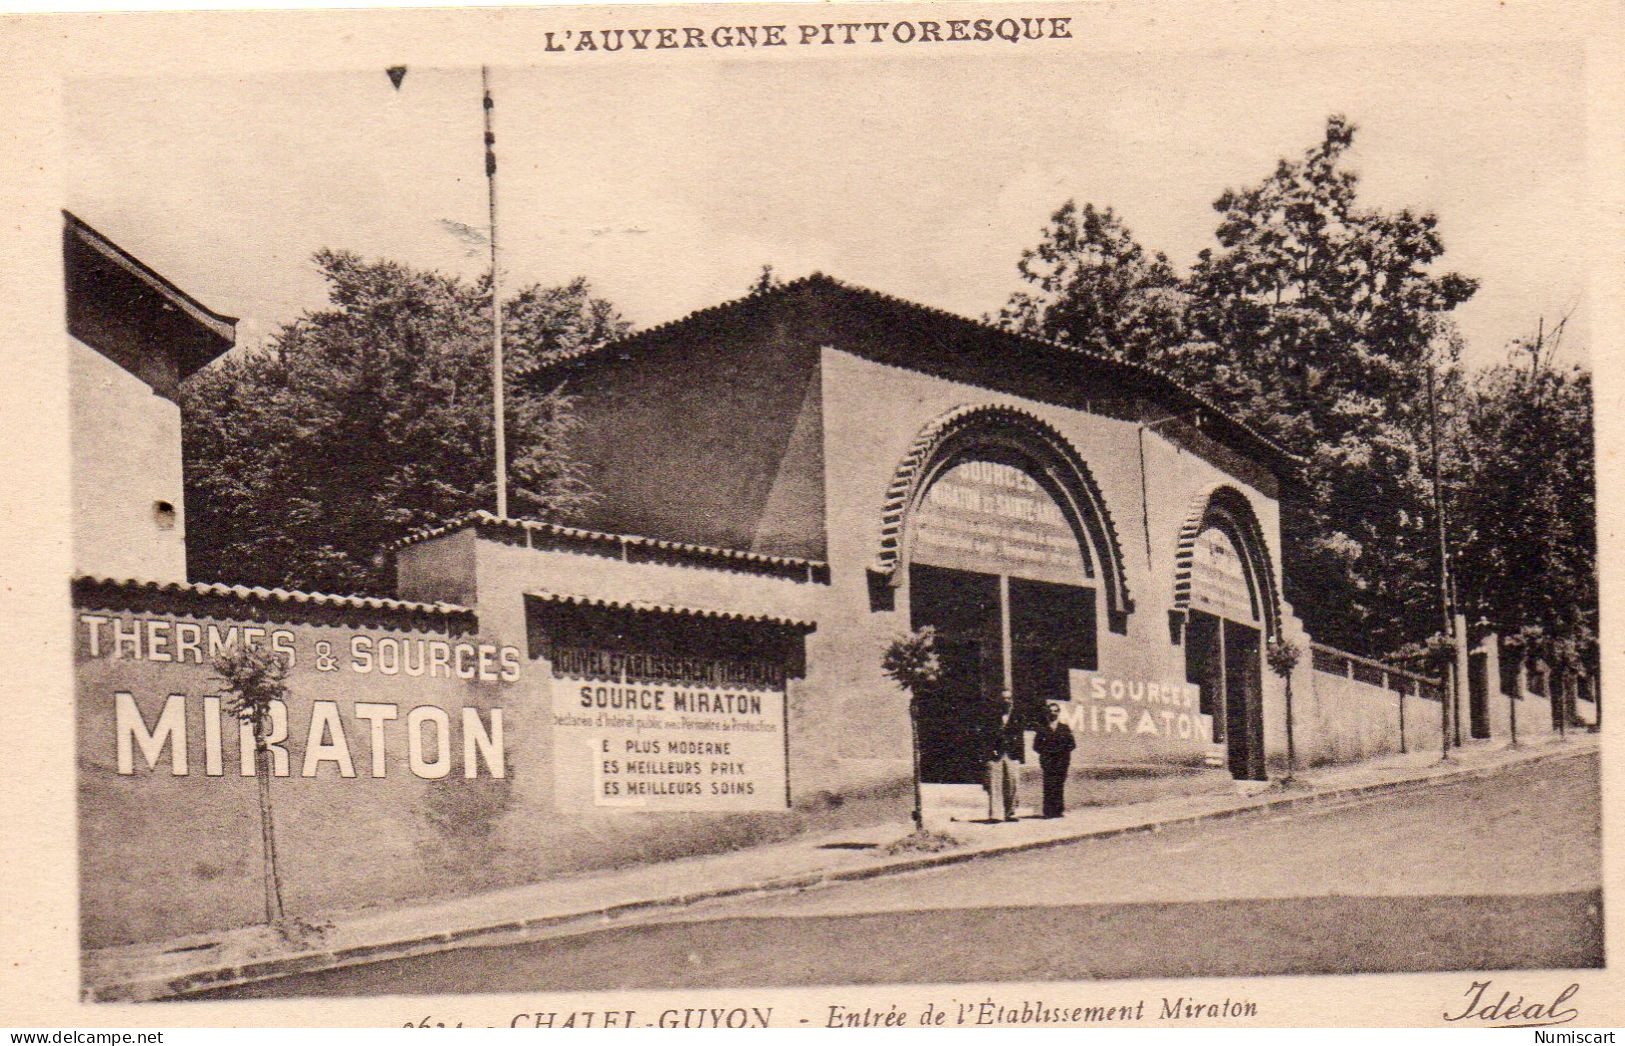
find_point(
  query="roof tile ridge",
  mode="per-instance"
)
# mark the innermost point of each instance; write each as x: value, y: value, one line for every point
x: 275, y: 595
x: 484, y: 517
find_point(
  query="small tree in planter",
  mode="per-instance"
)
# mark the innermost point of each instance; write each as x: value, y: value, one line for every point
x: 252, y: 678
x: 911, y: 662
x: 1439, y: 654
x: 1283, y: 656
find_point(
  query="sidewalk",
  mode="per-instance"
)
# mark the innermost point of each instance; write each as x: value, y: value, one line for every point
x: 156, y: 970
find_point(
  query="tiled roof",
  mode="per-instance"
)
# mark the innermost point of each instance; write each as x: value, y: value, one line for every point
x: 865, y: 294
x: 640, y: 606
x: 480, y: 517
x: 132, y: 588
x: 681, y: 551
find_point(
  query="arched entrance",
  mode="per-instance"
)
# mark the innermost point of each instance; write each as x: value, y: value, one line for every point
x: 1226, y: 591
x: 996, y: 551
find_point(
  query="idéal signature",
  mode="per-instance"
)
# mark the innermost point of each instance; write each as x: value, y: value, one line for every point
x: 1505, y: 1010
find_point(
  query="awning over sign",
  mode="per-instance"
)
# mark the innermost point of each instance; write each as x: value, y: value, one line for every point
x: 562, y: 627
x: 642, y: 607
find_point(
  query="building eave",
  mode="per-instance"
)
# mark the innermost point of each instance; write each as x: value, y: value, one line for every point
x: 212, y: 333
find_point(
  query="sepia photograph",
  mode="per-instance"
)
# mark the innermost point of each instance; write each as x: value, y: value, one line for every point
x: 726, y: 499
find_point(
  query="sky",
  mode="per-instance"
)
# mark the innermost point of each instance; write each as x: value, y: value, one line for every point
x: 669, y: 185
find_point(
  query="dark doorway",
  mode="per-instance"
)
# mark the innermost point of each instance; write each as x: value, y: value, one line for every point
x: 963, y: 606
x: 1052, y: 631
x: 1478, y: 693
x: 1222, y: 659
x: 1204, y: 666
x: 1243, y: 702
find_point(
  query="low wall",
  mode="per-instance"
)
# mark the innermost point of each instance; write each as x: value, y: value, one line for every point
x: 1357, y: 710
x: 1349, y: 720
x: 1353, y: 708
x: 1534, y: 717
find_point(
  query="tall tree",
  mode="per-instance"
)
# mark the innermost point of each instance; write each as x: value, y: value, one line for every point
x: 1094, y: 286
x: 1526, y: 514
x: 1329, y: 316
x: 361, y: 421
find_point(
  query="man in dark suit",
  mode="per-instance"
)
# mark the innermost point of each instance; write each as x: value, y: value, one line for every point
x: 1054, y: 744
x: 1008, y: 750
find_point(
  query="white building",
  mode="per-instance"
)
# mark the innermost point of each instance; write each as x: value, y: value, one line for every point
x: 133, y: 337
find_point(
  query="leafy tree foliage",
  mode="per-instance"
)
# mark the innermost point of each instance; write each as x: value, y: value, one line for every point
x: 1332, y: 315
x: 1317, y: 321
x: 1095, y: 287
x: 1525, y: 508
x: 372, y: 417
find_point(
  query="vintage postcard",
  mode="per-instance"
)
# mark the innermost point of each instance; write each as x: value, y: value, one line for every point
x: 737, y: 516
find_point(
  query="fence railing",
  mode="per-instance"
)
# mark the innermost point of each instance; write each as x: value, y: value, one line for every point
x: 1335, y: 662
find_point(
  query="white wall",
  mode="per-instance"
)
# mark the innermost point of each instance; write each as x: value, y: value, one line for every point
x: 126, y: 458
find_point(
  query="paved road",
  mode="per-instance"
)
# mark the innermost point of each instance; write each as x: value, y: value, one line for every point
x: 1498, y: 874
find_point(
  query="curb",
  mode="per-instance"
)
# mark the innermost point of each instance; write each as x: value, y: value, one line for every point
x: 529, y: 929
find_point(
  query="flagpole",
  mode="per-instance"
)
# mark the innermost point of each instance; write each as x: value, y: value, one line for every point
x: 1447, y: 675
x: 496, y: 302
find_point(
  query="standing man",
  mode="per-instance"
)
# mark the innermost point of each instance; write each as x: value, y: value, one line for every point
x: 1008, y: 752
x: 1054, y: 744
